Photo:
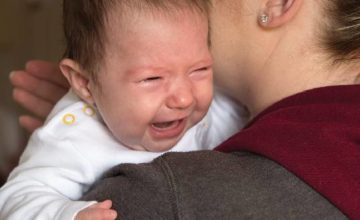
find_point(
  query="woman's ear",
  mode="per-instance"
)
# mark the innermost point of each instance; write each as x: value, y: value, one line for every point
x: 275, y: 13
x: 77, y: 78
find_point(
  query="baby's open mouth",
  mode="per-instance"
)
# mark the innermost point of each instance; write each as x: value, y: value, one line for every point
x: 167, y: 129
x: 166, y: 125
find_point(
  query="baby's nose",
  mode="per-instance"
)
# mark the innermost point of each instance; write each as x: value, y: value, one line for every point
x: 181, y: 97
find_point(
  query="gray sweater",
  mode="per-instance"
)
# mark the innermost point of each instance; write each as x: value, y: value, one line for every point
x: 210, y: 185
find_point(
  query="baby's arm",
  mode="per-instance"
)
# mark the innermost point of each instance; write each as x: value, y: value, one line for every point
x: 50, y: 176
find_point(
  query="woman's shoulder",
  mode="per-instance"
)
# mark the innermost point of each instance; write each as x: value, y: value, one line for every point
x: 212, y: 185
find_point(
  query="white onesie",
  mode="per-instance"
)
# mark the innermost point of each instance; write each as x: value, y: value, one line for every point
x: 74, y: 148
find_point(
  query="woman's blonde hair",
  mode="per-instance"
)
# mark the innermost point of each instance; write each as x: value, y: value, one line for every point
x: 342, y: 33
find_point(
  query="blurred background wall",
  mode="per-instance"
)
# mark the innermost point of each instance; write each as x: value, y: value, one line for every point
x: 29, y: 29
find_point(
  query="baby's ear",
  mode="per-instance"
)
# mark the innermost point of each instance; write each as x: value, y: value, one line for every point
x: 78, y: 79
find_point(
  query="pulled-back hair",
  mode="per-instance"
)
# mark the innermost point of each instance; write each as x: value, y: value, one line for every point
x: 342, y: 34
x: 84, y: 23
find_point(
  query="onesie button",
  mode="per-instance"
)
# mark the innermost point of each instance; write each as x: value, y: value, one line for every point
x: 88, y: 110
x: 68, y: 119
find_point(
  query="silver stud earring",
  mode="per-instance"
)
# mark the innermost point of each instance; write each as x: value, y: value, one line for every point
x: 264, y: 18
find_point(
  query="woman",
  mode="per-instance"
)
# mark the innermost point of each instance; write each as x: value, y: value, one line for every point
x: 293, y: 64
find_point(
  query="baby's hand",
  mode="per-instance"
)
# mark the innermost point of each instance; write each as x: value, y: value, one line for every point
x: 98, y: 211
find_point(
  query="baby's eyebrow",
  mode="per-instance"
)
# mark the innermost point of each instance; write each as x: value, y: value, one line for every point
x: 143, y: 69
x: 206, y: 61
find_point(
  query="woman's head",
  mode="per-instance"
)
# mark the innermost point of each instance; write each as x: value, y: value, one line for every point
x: 266, y: 50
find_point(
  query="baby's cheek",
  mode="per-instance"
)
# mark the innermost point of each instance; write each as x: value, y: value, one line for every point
x: 199, y: 114
x: 202, y: 107
x: 117, y: 131
x: 205, y: 102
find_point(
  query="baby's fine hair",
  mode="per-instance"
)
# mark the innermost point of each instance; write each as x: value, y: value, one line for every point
x: 342, y: 33
x: 84, y: 23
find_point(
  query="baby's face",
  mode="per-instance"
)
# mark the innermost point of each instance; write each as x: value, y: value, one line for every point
x: 156, y: 79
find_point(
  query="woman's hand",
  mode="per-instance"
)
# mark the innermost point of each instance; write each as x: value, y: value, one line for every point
x: 98, y: 211
x: 37, y: 89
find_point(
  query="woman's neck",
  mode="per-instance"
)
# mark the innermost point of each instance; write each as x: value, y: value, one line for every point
x: 295, y: 75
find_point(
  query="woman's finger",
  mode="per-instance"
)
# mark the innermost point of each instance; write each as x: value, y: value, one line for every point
x: 41, y: 88
x: 30, y: 123
x: 36, y: 105
x: 47, y: 71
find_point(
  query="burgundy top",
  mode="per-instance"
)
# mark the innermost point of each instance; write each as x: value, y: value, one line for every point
x: 316, y: 136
